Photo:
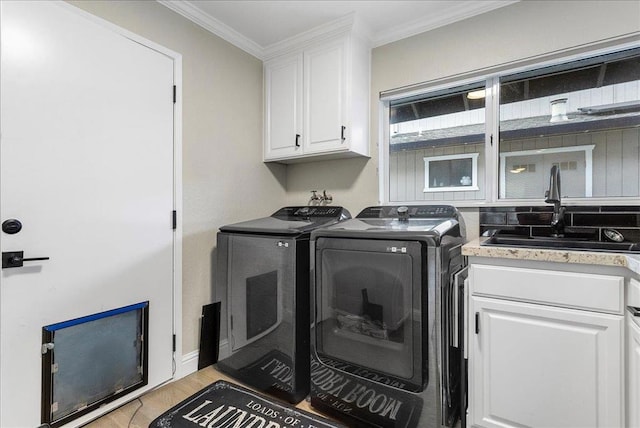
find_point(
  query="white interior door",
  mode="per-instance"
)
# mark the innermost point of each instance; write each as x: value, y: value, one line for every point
x: 86, y: 165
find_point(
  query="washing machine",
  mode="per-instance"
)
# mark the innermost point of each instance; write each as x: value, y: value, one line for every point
x: 263, y: 280
x: 388, y: 304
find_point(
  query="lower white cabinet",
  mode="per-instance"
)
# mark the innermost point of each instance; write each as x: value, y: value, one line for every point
x: 542, y: 365
x: 633, y: 374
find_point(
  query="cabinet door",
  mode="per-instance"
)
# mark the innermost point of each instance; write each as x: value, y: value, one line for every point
x: 283, y: 108
x: 633, y: 374
x: 325, y: 71
x: 541, y: 366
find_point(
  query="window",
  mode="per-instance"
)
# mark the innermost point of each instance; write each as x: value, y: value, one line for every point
x: 496, y: 139
x: 453, y: 173
x: 583, y: 114
x: 522, y: 179
x: 436, y: 146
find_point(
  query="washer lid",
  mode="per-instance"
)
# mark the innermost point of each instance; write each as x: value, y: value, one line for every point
x: 291, y: 220
x: 392, y: 224
x: 434, y: 227
x: 414, y: 212
x: 403, y: 221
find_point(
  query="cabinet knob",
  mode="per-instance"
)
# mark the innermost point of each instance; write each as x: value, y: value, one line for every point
x: 297, y: 140
x: 342, y: 137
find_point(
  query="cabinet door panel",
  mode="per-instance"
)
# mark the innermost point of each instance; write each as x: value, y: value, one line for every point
x: 283, y: 96
x: 633, y: 374
x: 325, y: 74
x: 601, y: 293
x: 539, y: 366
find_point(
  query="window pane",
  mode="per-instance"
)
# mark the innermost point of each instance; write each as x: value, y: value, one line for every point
x: 582, y: 116
x: 436, y: 146
x: 450, y: 173
x: 455, y: 173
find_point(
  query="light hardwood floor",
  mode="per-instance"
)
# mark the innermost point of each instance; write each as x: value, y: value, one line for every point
x: 158, y: 401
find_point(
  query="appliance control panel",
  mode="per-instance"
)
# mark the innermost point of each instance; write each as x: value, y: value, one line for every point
x: 417, y: 211
x: 309, y: 211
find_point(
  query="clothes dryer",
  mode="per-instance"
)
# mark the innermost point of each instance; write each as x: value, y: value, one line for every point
x: 386, y: 338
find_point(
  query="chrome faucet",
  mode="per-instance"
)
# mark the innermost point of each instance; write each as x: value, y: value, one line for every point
x: 553, y: 196
x: 315, y: 199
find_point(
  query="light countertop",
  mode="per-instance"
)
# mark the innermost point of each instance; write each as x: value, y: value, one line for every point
x: 630, y: 261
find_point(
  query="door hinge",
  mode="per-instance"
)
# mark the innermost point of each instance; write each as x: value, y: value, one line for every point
x: 174, y: 93
x: 174, y: 343
x: 46, y: 347
x: 477, y: 322
x: 174, y: 219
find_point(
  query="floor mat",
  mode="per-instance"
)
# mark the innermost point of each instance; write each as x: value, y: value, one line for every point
x: 223, y: 404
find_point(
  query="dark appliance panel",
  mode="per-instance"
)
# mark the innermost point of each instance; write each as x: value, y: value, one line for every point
x: 386, y: 337
x: 370, y: 307
x: 263, y: 280
x: 256, y: 289
x: 291, y: 221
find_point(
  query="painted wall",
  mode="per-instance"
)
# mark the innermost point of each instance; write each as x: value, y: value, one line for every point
x: 512, y: 33
x: 224, y: 179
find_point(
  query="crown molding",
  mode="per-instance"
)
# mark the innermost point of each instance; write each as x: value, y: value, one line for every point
x: 348, y: 23
x: 461, y: 11
x: 190, y: 11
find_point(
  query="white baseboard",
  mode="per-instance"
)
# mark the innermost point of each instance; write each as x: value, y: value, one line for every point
x: 189, y: 363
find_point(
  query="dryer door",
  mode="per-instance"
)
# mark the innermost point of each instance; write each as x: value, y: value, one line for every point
x: 370, y: 309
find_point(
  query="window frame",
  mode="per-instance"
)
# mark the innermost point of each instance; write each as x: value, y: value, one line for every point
x: 492, y: 78
x: 474, y: 173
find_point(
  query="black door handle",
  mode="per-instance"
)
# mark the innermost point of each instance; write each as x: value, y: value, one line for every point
x: 14, y: 259
x: 342, y: 129
x: 297, y: 140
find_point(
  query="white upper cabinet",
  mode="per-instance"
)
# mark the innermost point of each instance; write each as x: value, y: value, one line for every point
x: 283, y: 110
x: 325, y: 97
x: 317, y: 101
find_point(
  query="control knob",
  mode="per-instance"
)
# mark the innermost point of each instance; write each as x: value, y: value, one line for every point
x: 403, y: 213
